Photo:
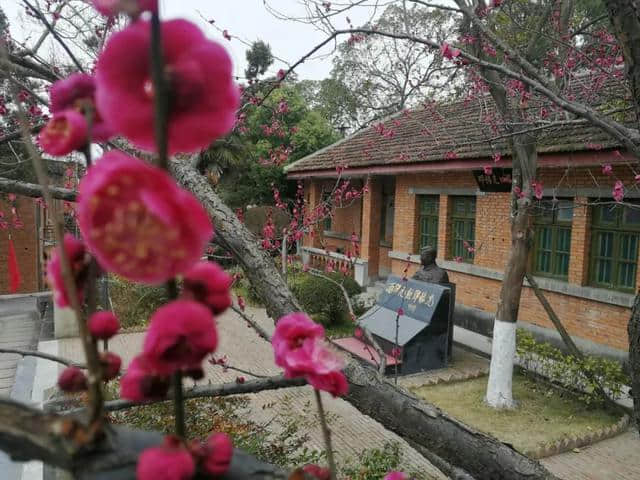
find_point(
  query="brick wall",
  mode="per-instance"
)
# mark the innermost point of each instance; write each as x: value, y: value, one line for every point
x: 25, y: 241
x: 589, y: 319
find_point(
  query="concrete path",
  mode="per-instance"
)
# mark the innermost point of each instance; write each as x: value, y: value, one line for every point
x: 19, y: 329
x: 617, y: 458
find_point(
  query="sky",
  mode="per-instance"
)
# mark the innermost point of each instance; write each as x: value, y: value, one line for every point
x: 246, y: 21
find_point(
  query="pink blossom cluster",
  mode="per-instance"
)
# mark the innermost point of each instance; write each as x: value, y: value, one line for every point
x: 89, y: 108
x: 384, y: 131
x: 300, y: 348
x: 101, y: 325
x: 175, y: 460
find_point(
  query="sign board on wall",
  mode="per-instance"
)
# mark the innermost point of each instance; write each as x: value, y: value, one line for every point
x: 499, y: 180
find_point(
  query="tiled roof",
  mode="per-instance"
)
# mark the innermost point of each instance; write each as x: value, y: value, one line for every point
x: 461, y: 129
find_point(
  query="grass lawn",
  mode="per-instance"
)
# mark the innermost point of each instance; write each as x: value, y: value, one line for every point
x: 544, y: 414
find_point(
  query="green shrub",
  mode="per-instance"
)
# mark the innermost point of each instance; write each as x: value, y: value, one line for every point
x: 584, y: 374
x: 349, y: 283
x: 134, y: 303
x: 281, y: 441
x: 321, y: 298
x: 375, y: 463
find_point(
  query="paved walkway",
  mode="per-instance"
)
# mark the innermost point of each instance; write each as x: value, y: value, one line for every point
x: 613, y: 459
x: 19, y: 329
x: 352, y: 432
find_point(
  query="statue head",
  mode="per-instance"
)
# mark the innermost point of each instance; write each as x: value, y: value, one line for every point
x: 428, y: 255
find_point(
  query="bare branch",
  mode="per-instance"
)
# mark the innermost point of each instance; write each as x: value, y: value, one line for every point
x: 46, y: 356
x: 204, y: 391
x: 34, y: 190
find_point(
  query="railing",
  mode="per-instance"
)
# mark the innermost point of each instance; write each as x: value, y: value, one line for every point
x: 357, y: 268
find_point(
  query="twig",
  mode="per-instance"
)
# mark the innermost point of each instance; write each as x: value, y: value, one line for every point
x: 208, y: 391
x: 44, y: 21
x: 46, y: 356
x: 326, y: 433
x: 160, y: 95
x: 252, y: 323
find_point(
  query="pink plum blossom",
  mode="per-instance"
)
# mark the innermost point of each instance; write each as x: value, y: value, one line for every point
x: 181, y: 333
x: 321, y: 473
x: 203, y: 95
x: 607, y: 169
x: 618, y: 191
x: 538, y: 190
x: 72, y: 379
x: 448, y: 51
x: 333, y: 382
x: 219, y: 450
x: 78, y: 260
x: 77, y: 92
x: 64, y: 133
x: 170, y: 461
x: 488, y: 170
x: 138, y: 222
x: 291, y: 331
x: 395, y: 475
x: 103, y: 325
x: 209, y: 284
x: 141, y: 382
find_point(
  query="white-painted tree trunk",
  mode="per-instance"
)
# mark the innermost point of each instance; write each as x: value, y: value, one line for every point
x: 503, y: 351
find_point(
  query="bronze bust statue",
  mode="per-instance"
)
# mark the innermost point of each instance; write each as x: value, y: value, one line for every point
x: 430, y: 272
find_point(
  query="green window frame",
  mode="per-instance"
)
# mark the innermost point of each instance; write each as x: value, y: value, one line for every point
x: 327, y: 221
x: 463, y: 228
x: 428, y: 217
x: 615, y: 235
x: 552, y: 221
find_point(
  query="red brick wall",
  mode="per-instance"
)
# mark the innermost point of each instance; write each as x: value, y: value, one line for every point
x: 25, y: 241
x: 591, y: 320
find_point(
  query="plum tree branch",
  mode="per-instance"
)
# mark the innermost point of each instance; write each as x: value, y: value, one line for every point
x: 46, y: 356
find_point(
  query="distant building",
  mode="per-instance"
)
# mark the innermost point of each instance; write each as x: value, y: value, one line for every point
x: 427, y: 186
x: 33, y: 237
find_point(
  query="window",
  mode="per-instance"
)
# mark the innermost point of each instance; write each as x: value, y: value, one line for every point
x: 615, y: 233
x: 552, y: 238
x: 428, y: 207
x: 463, y: 227
x: 326, y: 222
x: 387, y: 216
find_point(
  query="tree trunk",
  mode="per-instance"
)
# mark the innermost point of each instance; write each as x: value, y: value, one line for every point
x: 418, y: 422
x: 625, y: 19
x: 503, y: 349
x: 634, y: 358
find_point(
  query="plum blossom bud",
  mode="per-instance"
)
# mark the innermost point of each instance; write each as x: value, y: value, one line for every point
x: 209, y: 284
x: 72, y: 379
x: 103, y: 325
x: 111, y: 364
